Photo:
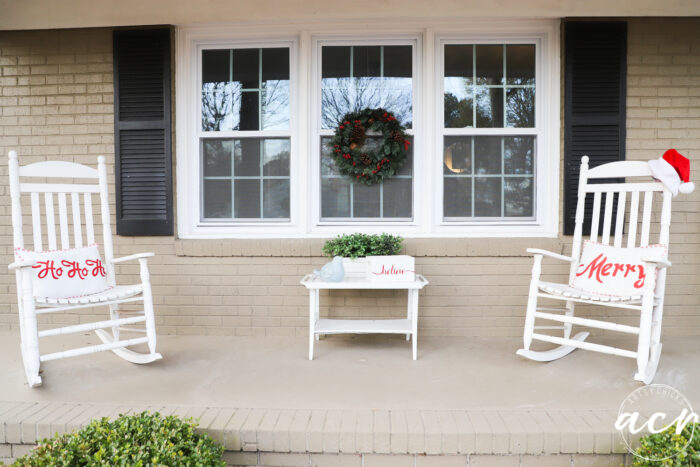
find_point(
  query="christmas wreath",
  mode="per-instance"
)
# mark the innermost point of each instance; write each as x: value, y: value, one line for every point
x: 354, y: 159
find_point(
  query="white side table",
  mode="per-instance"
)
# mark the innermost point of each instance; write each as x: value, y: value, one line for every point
x: 317, y: 326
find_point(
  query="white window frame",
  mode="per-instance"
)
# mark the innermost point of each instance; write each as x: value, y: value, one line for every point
x: 539, y: 131
x: 304, y: 41
x: 189, y: 169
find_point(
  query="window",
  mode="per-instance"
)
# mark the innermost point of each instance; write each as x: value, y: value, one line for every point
x: 354, y: 77
x: 245, y: 134
x: 257, y: 106
x: 489, y: 131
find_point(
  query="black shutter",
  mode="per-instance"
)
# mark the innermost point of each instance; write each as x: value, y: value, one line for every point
x: 142, y: 135
x: 594, y: 104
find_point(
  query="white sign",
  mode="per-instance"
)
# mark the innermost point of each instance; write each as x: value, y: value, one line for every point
x: 398, y: 268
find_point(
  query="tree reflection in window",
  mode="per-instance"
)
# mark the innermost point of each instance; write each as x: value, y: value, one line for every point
x: 245, y: 89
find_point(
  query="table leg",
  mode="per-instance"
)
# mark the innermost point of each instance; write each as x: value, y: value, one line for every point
x: 312, y: 320
x: 414, y: 322
x: 409, y: 312
x: 317, y: 310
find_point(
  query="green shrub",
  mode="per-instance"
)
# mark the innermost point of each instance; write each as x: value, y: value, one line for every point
x: 134, y: 440
x: 667, y: 443
x: 358, y: 245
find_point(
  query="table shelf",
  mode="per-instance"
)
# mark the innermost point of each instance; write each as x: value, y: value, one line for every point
x: 363, y: 326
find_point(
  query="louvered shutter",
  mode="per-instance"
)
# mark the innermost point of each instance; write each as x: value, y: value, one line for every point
x: 594, y: 104
x: 142, y: 135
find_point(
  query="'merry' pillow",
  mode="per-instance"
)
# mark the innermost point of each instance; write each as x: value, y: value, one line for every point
x: 66, y: 273
x: 613, y: 271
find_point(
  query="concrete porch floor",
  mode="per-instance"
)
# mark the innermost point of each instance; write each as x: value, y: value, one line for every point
x: 462, y: 395
x: 359, y: 372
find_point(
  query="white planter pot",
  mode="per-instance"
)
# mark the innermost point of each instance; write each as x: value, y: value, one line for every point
x: 355, y: 268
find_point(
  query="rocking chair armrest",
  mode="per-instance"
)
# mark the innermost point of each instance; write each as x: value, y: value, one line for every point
x: 537, y: 251
x: 21, y: 264
x: 659, y: 262
x: 132, y: 257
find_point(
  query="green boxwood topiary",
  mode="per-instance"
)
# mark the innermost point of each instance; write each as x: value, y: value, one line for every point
x: 130, y: 440
x: 667, y: 443
x: 358, y: 245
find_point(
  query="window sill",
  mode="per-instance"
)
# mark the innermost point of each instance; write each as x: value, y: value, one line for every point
x: 434, y: 247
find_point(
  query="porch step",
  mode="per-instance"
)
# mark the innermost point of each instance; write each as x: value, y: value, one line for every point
x: 359, y: 432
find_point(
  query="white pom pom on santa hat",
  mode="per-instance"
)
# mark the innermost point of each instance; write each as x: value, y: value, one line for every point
x: 673, y: 170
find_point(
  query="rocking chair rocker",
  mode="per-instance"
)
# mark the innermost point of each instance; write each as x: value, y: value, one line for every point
x: 30, y: 305
x: 649, y: 302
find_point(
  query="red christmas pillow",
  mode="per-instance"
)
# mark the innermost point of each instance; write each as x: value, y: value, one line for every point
x: 66, y: 273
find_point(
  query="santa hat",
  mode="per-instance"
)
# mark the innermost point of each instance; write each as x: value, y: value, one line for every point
x: 673, y: 170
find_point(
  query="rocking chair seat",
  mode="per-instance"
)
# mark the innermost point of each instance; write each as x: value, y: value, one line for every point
x: 114, y: 293
x: 565, y: 291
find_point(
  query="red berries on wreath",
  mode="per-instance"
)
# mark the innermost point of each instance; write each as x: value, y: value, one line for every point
x: 376, y: 162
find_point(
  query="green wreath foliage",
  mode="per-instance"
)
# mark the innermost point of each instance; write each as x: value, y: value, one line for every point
x: 354, y: 159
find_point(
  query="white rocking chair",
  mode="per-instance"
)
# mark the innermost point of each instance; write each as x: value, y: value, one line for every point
x: 31, y: 306
x: 650, y: 303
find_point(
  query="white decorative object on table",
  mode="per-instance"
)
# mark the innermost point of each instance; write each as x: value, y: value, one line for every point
x: 333, y: 271
x: 74, y: 260
x: 647, y: 299
x: 318, y: 326
x: 391, y: 268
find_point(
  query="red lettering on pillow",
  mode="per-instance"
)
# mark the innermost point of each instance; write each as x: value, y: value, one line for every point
x: 97, y: 268
x: 600, y: 267
x: 46, y: 268
x: 74, y: 269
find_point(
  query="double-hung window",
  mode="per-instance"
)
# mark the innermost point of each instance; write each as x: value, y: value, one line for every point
x: 244, y: 137
x: 489, y: 131
x: 354, y: 76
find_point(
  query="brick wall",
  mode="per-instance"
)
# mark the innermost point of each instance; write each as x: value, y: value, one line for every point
x: 56, y: 101
x: 663, y: 111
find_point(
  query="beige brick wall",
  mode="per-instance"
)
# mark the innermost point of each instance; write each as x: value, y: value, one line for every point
x: 56, y: 101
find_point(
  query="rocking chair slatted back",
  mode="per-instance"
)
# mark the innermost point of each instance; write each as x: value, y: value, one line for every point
x: 617, y: 193
x: 55, y: 198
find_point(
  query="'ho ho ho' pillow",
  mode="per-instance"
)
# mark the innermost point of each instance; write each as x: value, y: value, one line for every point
x: 66, y: 273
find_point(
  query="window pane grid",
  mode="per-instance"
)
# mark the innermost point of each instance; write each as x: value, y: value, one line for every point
x: 245, y: 135
x: 475, y: 91
x: 279, y: 210
x: 355, y: 77
x: 493, y: 191
x: 489, y: 132
x: 250, y: 94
